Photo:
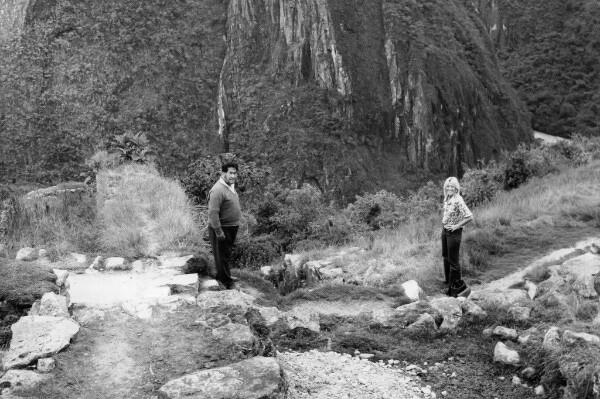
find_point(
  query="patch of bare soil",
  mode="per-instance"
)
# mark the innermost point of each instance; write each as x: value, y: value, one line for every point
x: 124, y: 357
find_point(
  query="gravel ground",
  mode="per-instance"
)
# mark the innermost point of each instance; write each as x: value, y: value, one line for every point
x: 330, y: 375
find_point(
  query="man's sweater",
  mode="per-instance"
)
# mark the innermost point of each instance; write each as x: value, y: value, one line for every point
x: 223, y: 207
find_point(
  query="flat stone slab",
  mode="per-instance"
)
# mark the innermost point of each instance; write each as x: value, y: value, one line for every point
x: 579, y: 272
x: 255, y: 378
x: 107, y: 290
x: 35, y: 337
x: 215, y: 299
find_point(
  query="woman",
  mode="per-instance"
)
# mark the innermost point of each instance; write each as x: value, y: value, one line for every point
x: 456, y: 215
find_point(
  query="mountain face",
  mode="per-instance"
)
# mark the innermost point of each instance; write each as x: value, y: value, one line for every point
x: 549, y: 50
x: 348, y: 95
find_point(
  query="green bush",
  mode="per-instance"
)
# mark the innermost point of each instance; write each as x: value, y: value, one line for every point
x: 523, y: 163
x: 481, y: 185
x: 378, y: 210
x: 255, y: 251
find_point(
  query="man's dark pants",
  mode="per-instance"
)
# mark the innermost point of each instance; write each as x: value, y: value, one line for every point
x: 450, y: 252
x: 222, y: 253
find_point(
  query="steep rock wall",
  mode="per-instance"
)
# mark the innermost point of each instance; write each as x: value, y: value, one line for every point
x: 451, y: 104
x: 549, y: 51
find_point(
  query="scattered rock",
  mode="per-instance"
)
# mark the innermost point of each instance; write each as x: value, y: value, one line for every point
x: 412, y: 290
x: 528, y: 372
x: 61, y: 276
x: 487, y: 332
x: 79, y: 258
x: 571, y: 337
x: 217, y: 299
x: 579, y: 272
x: 531, y: 288
x: 505, y: 333
x: 552, y: 339
x: 499, y: 298
x: 27, y: 254
x: 258, y: 377
x: 85, y: 315
x: 97, y: 264
x: 519, y: 313
x: 42, y: 253
x: 52, y: 304
x: 425, y: 322
x: 270, y: 314
x: 524, y: 339
x: 266, y: 270
x: 209, y: 284
x: 366, y: 356
x: 22, y: 380
x: 234, y: 334
x: 503, y: 354
x: 174, y: 262
x: 140, y: 309
x: 516, y: 380
x: 331, y: 274
x: 184, y: 283
x: 539, y: 390
x: 472, y: 311
x: 46, y: 365
x: 116, y: 263
x: 450, y: 310
x: 34, y: 337
x: 304, y: 318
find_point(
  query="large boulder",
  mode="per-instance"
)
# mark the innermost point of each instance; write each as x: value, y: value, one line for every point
x: 255, y: 378
x: 450, y: 310
x: 499, y: 298
x: 579, y: 274
x: 52, y: 304
x: 412, y: 290
x: 35, y: 337
x: 18, y: 381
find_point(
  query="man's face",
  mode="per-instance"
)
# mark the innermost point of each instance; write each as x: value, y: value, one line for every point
x: 230, y: 176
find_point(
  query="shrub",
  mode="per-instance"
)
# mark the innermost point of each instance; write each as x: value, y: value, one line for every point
x: 143, y: 213
x: 524, y: 163
x: 479, y: 186
x: 253, y: 252
x: 379, y: 210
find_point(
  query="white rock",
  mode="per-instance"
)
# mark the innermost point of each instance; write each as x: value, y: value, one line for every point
x: 214, y: 299
x: 86, y: 316
x: 209, y: 284
x: 450, y: 310
x: 27, y: 254
x: 116, y: 263
x: 79, y: 258
x: 35, y: 337
x: 184, y: 283
x: 580, y: 272
x: 61, y: 276
x: 505, y: 355
x: 234, y: 334
x: 42, y: 253
x: 46, y: 365
x: 516, y: 380
x: 528, y: 372
x: 552, y: 339
x: 331, y: 274
x: 266, y: 270
x: 571, y: 337
x: 53, y: 305
x: 258, y: 377
x: 97, y: 264
x: 425, y: 322
x: 524, y: 339
x: 539, y: 390
x: 173, y: 262
x: 487, y: 332
x: 505, y: 333
x: 519, y: 313
x: 140, y: 309
x: 271, y: 314
x: 498, y: 298
x: 412, y: 290
x: 22, y: 380
x: 299, y: 317
x: 531, y: 288
x: 472, y: 311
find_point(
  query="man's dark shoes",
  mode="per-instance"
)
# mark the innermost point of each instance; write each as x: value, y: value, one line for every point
x: 465, y: 293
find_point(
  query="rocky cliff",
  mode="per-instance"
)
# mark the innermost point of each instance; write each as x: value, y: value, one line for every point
x: 549, y: 50
x: 347, y: 95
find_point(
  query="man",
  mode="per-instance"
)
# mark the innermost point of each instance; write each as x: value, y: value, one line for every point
x: 224, y: 215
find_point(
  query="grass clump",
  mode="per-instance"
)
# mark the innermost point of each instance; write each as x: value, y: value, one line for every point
x: 143, y: 213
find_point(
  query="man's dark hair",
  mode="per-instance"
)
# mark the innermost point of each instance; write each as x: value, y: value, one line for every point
x: 225, y: 167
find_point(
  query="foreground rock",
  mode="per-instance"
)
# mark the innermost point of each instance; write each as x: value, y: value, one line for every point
x: 18, y: 381
x: 36, y: 337
x: 503, y: 354
x: 256, y: 378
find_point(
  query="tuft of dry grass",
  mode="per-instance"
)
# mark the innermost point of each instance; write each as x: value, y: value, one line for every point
x: 143, y: 213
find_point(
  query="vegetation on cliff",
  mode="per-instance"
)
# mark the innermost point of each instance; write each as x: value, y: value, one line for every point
x: 550, y: 55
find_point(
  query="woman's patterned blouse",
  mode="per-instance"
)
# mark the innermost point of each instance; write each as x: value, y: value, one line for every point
x: 455, y: 211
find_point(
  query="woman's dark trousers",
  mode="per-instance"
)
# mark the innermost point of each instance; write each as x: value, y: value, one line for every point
x: 450, y: 252
x: 222, y: 253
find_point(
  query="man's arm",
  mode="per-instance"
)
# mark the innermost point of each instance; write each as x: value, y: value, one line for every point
x: 214, y: 207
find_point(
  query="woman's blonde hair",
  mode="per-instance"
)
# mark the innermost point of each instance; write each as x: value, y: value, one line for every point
x: 451, y: 182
